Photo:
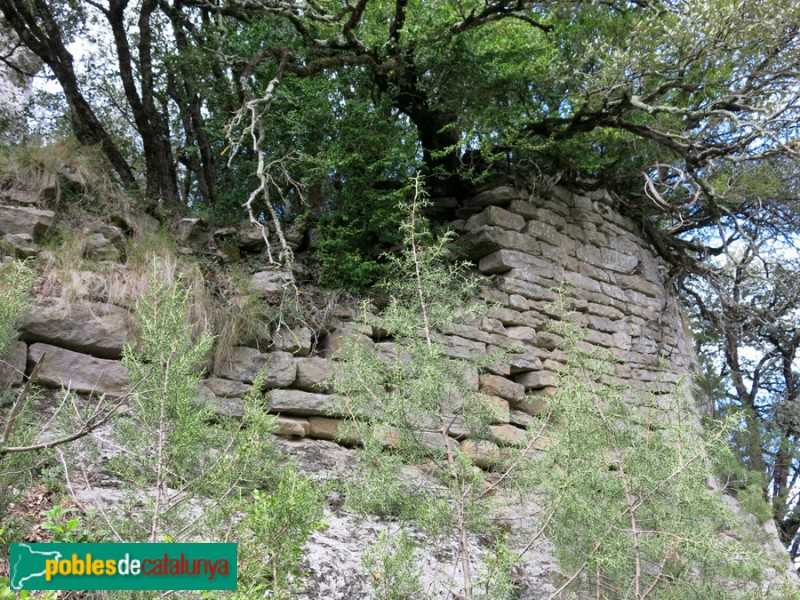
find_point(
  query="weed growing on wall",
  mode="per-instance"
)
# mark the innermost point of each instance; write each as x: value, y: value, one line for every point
x: 16, y: 279
x: 404, y: 407
x: 193, y: 474
x: 16, y: 469
x: 624, y: 482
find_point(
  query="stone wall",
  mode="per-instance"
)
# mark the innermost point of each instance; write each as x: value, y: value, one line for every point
x: 545, y: 256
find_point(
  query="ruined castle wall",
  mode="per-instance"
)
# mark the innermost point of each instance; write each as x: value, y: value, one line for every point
x: 546, y: 255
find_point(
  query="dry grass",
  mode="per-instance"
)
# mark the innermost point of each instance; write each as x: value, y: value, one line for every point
x: 70, y: 278
x: 52, y: 172
x: 243, y: 319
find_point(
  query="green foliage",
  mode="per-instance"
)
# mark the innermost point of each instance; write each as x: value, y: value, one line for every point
x: 624, y: 483
x: 391, y: 568
x: 16, y: 280
x: 274, y: 531
x: 66, y: 525
x: 752, y: 501
x: 403, y: 406
x: 6, y: 593
x: 497, y: 583
x: 16, y: 469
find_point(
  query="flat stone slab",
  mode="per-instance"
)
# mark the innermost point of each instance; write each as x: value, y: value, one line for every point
x: 245, y: 364
x: 495, y: 216
x: 79, y: 372
x: 494, y: 385
x: 87, y: 327
x: 270, y: 281
x: 226, y: 407
x: 12, y: 365
x: 535, y: 380
x: 296, y: 402
x: 19, y: 219
x: 227, y: 388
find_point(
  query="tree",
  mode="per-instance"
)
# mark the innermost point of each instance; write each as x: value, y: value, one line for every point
x: 47, y: 28
x: 621, y: 91
x: 745, y: 307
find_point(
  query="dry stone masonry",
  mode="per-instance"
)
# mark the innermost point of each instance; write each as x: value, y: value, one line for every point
x: 545, y: 256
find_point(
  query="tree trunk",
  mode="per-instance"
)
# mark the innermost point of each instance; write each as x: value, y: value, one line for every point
x: 151, y: 122
x: 36, y: 26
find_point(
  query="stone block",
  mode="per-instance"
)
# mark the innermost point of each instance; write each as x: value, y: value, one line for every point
x: 271, y: 281
x: 494, y: 216
x: 492, y: 325
x: 313, y: 374
x: 478, y: 244
x: 105, y: 242
x: 544, y: 232
x: 521, y: 362
x: 468, y: 332
x: 517, y: 302
x: 520, y: 418
x: 31, y: 221
x: 606, y: 312
x: 291, y: 426
x: 193, y: 231
x: 12, y: 365
x: 79, y: 372
x: 87, y: 327
x: 458, y: 347
x: 324, y: 428
x: 295, y: 340
x: 521, y: 334
x: 537, y: 270
x: 531, y: 405
x: 484, y: 453
x: 499, y: 407
x: 506, y: 316
x: 297, y: 402
x: 524, y: 208
x: 598, y: 338
x: 21, y: 245
x: 345, y: 333
x: 640, y: 284
x: 245, y: 363
x: 226, y: 407
x: 495, y: 385
x: 507, y: 435
x: 503, y: 260
x: 469, y: 377
x: 537, y: 379
x: 526, y: 289
x: 582, y: 282
x: 227, y: 388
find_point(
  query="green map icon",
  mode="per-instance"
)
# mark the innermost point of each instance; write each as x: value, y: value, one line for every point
x: 28, y: 565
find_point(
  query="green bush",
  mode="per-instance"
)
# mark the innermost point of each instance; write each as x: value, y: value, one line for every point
x: 623, y: 482
x: 16, y: 280
x: 422, y: 388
